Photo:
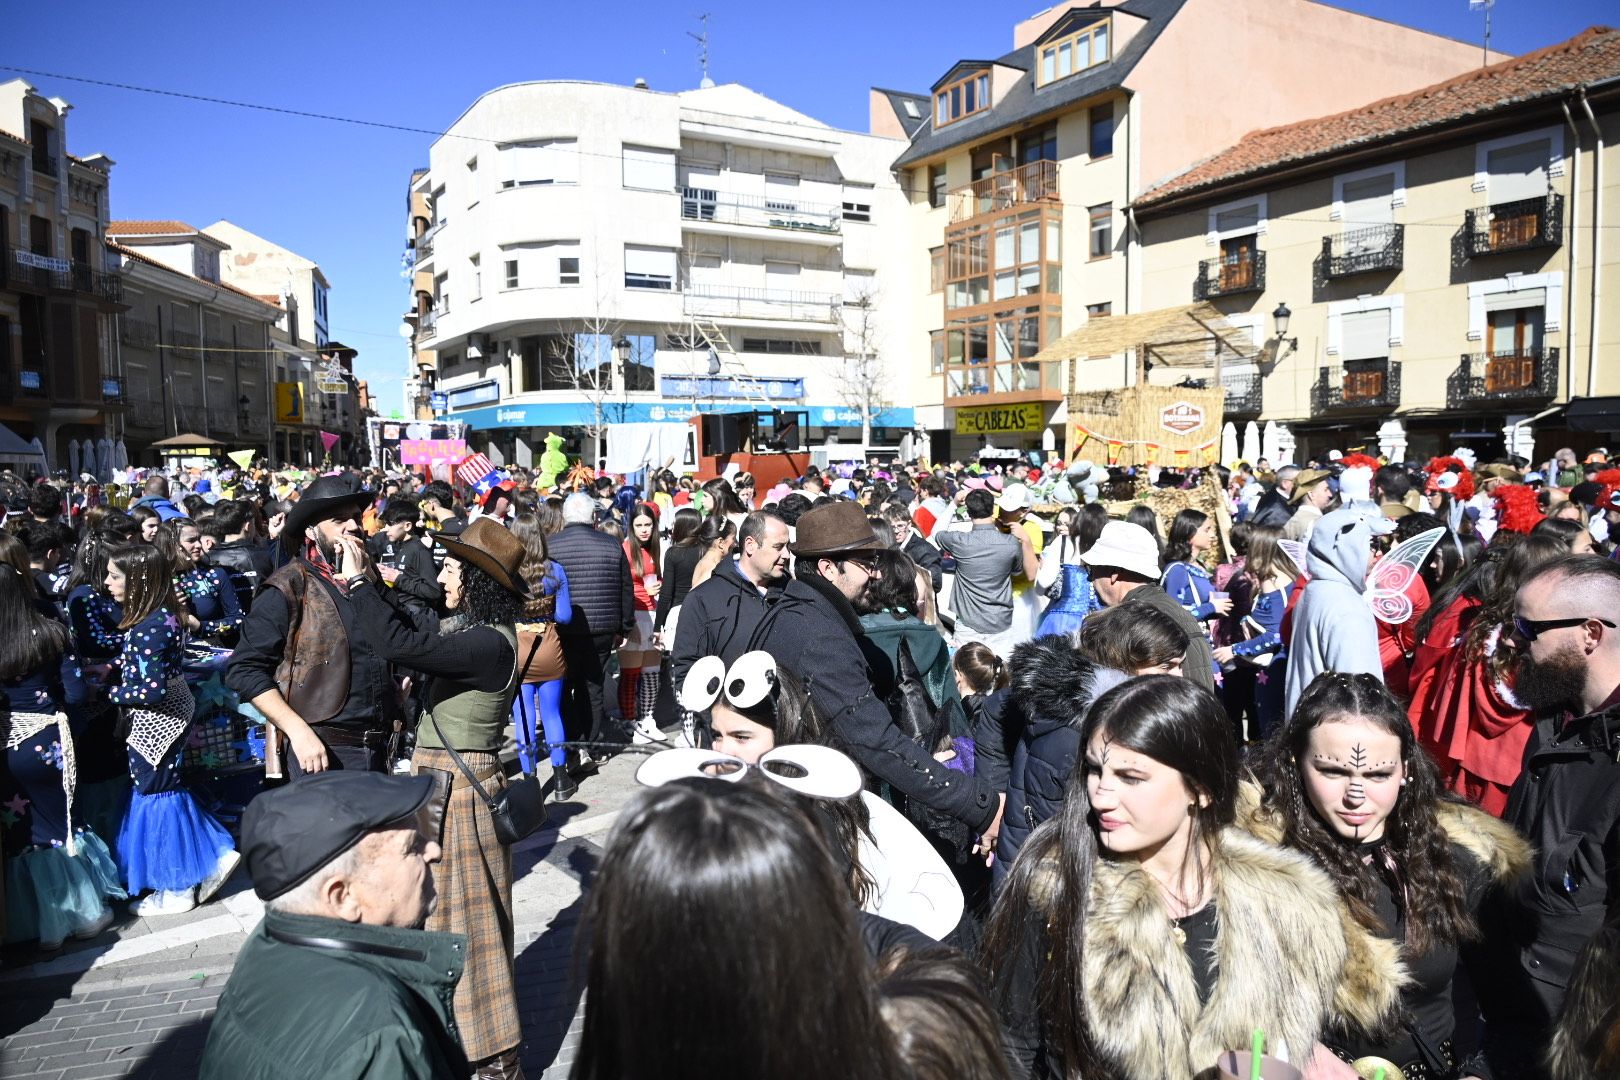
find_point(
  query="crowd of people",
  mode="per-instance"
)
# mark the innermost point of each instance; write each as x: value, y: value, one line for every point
x: 984, y: 770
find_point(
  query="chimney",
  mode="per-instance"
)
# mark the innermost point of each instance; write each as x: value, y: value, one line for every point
x: 640, y: 83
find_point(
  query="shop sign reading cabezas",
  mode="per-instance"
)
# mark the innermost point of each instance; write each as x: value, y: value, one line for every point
x: 1000, y: 419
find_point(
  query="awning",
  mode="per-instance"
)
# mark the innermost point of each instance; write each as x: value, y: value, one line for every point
x: 1593, y: 414
x: 187, y: 442
x: 14, y: 447
x: 1184, y: 336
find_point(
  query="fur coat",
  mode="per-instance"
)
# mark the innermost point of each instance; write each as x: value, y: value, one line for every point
x: 1281, y: 959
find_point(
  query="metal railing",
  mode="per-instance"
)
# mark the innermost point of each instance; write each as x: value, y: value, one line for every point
x: 763, y: 211
x: 45, y: 165
x: 1514, y: 226
x: 1036, y: 181
x: 1230, y: 274
x: 1357, y: 384
x: 256, y: 423
x: 424, y: 243
x: 45, y: 274
x: 1243, y: 393
x: 184, y: 339
x: 137, y: 332
x: 740, y: 302
x: 1360, y: 251
x: 1525, y: 375
x: 427, y: 325
x: 222, y: 421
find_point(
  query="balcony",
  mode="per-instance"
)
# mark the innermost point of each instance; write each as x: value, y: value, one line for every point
x: 1362, y: 251
x: 1357, y: 385
x: 113, y: 391
x: 424, y: 243
x: 1514, y: 226
x: 1243, y: 393
x: 45, y: 165
x: 255, y: 424
x: 138, y: 333
x: 185, y: 339
x: 1230, y: 275
x: 427, y: 325
x: 44, y: 273
x: 775, y: 305
x: 221, y: 421
x: 1034, y: 182
x: 727, y: 212
x: 1517, y: 378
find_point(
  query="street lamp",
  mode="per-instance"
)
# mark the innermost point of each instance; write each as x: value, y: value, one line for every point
x: 1280, y: 318
x: 242, y: 407
x: 621, y: 353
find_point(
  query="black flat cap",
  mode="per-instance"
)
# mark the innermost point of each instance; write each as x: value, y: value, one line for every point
x: 1586, y: 492
x: 291, y: 832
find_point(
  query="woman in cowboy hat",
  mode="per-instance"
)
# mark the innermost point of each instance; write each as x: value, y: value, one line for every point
x: 471, y: 659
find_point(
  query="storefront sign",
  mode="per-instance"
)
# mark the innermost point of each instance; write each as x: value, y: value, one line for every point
x: 694, y: 386
x: 1183, y: 418
x: 1023, y: 419
x: 431, y: 451
x: 476, y: 394
x: 439, y: 402
x: 289, y: 403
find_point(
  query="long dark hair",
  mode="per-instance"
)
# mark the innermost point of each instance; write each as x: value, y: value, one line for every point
x: 685, y: 529
x: 1132, y: 638
x: 1266, y: 558
x: 537, y: 567
x: 634, y: 547
x: 1426, y: 886
x: 1088, y: 525
x: 1142, y: 514
x: 1178, y: 724
x: 148, y: 582
x: 725, y: 498
x: 1475, y: 582
x: 484, y: 601
x: 1525, y: 555
x: 29, y: 640
x: 1178, y: 545
x: 688, y: 864
x: 90, y: 560
x: 894, y: 589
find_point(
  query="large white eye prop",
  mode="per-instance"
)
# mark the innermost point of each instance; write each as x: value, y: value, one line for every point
x: 750, y: 679
x: 688, y: 761
x: 819, y: 771
x: 702, y: 685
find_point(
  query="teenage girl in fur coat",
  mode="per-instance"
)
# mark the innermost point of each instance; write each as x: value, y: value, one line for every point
x: 1140, y: 933
x: 1347, y: 784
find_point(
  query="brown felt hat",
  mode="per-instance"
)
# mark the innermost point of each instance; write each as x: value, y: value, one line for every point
x: 1307, y: 479
x: 491, y: 547
x: 834, y: 528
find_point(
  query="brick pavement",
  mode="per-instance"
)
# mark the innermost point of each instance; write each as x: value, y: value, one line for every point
x: 137, y: 1001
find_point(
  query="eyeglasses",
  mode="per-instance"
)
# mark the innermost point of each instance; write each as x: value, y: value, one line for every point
x: 1530, y: 629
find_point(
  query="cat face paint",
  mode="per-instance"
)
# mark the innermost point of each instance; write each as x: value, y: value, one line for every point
x: 1352, y: 775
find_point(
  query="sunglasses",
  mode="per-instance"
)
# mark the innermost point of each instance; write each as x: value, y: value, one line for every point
x: 1530, y: 629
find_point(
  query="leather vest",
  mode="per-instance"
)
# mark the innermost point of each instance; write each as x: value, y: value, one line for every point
x: 314, y: 671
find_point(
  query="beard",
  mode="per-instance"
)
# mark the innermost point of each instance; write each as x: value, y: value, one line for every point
x: 1556, y: 682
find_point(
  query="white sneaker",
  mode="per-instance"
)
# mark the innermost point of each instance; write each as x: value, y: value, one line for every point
x: 222, y: 873
x: 95, y: 926
x: 646, y: 731
x: 164, y: 902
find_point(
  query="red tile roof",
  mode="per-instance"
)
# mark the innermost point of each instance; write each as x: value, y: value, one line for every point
x: 1590, y: 56
x: 148, y: 228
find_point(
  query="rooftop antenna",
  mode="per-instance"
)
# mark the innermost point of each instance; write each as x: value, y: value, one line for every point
x: 1485, y: 6
x: 703, y: 50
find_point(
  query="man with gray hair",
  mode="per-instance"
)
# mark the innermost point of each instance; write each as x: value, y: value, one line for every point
x: 604, y: 614
x: 339, y: 979
x: 1276, y: 506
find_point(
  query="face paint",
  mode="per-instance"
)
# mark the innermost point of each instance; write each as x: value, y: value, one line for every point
x: 1352, y: 777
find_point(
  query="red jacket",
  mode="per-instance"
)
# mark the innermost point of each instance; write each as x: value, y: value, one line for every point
x: 1397, y: 642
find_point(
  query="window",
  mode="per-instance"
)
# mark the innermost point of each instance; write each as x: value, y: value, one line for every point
x: 440, y: 214
x: 568, y: 269
x: 1102, y: 231
x: 1102, y: 131
x: 43, y: 138
x: 1038, y: 145
x: 860, y: 287
x: 1518, y: 172
x: 511, y: 273
x: 781, y: 346
x: 649, y: 268
x: 936, y: 186
x: 911, y: 109
x: 555, y: 161
x: 39, y: 235
x: 966, y: 96
x: 1365, y: 335
x: 639, y: 369
x: 649, y: 169
x: 936, y: 269
x: 1077, y: 52
x: 1099, y: 311
x: 1517, y: 330
x: 936, y: 352
x: 477, y: 276
x: 1245, y: 217
x: 857, y: 211
x: 781, y: 192
x: 441, y: 293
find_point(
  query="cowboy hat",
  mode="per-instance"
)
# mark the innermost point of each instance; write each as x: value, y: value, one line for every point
x: 834, y: 528
x: 1307, y: 479
x: 336, y: 496
x: 491, y: 547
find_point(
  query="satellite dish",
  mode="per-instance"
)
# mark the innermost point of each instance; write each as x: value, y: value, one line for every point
x: 406, y: 330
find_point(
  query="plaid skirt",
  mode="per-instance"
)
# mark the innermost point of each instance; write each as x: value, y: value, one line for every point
x: 474, y: 882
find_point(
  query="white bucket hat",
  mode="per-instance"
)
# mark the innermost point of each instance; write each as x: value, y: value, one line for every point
x: 1125, y: 546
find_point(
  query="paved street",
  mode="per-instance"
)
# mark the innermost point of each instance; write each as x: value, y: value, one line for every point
x: 137, y: 1001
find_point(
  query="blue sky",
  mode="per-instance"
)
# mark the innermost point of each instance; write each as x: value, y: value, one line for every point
x: 335, y: 192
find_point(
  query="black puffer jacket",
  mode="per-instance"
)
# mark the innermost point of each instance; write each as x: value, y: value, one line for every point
x: 247, y: 565
x: 1052, y: 687
x: 598, y: 582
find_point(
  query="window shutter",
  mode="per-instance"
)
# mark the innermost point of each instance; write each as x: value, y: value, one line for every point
x: 1518, y: 172
x: 1239, y: 219
x: 648, y: 168
x: 1370, y: 201
x: 651, y: 262
x: 1509, y: 301
x: 1364, y: 335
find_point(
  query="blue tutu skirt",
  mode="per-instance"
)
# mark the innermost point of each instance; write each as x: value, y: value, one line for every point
x: 50, y: 894
x: 169, y: 842
x: 1058, y: 621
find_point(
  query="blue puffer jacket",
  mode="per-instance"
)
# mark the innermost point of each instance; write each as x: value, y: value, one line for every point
x: 1052, y: 687
x: 598, y: 582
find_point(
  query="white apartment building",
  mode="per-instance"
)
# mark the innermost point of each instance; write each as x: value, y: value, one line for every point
x: 586, y: 254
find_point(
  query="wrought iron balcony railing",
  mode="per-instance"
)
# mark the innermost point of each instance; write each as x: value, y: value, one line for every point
x: 1243, y: 393
x: 45, y: 165
x: 427, y: 325
x: 1357, y: 384
x: 1524, y: 376
x: 1036, y: 181
x: 1360, y: 251
x: 1230, y: 274
x: 1514, y: 226
x: 137, y: 332
x: 764, y: 211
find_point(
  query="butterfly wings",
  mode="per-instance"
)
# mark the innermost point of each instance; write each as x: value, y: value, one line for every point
x: 1394, y: 574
